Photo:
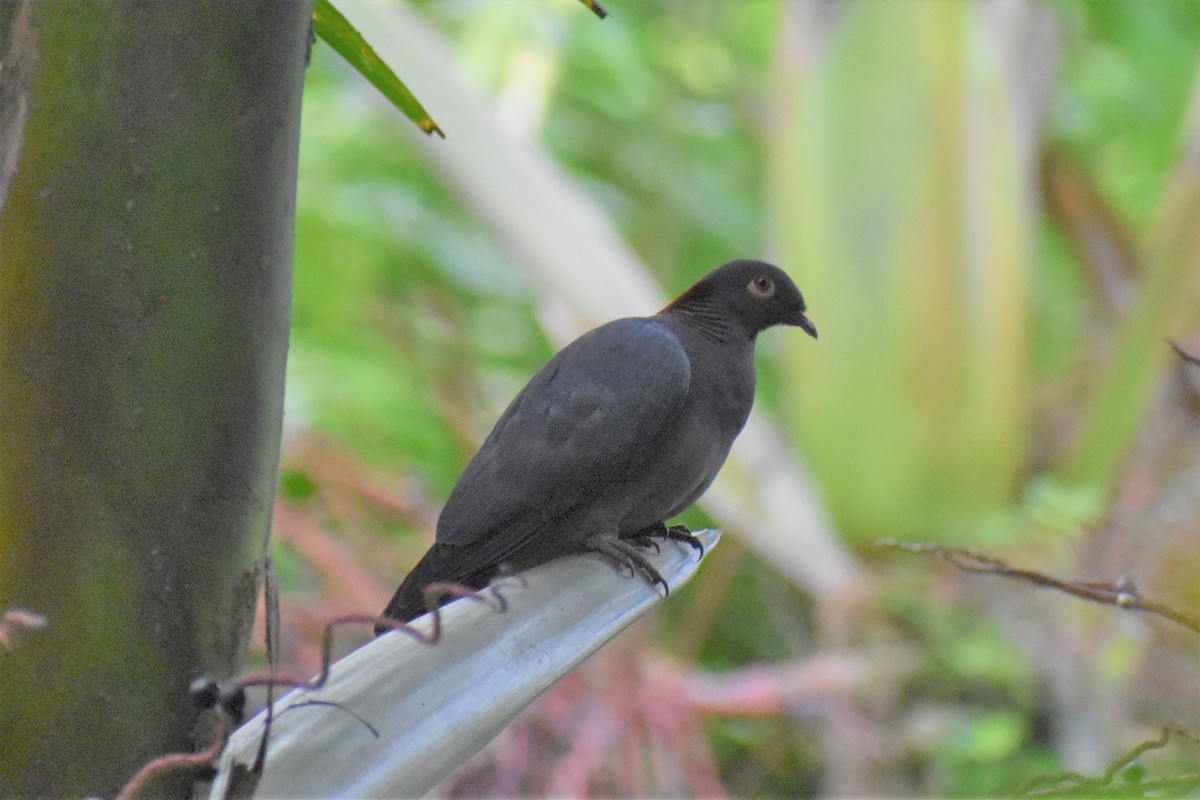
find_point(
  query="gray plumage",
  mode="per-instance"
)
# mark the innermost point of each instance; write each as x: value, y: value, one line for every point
x: 620, y: 431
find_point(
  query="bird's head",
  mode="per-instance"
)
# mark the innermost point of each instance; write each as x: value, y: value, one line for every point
x: 751, y: 295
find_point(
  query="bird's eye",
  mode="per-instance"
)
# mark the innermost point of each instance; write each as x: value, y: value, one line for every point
x: 762, y: 287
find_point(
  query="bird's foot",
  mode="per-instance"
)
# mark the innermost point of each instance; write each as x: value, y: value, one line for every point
x: 676, y: 533
x: 681, y: 533
x: 646, y: 537
x: 626, y: 555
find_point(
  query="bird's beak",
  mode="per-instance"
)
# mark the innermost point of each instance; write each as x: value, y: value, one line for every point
x: 804, y: 323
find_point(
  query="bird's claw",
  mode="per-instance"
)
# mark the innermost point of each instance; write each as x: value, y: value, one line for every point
x: 646, y: 541
x: 680, y: 533
x: 675, y: 533
x: 626, y: 555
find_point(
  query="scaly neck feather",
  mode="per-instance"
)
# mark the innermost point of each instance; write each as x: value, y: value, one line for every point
x: 696, y: 310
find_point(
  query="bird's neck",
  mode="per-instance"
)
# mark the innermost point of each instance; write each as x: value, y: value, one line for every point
x: 702, y: 316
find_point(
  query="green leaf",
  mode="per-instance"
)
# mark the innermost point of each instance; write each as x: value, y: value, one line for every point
x: 296, y: 484
x: 337, y: 31
x: 595, y: 8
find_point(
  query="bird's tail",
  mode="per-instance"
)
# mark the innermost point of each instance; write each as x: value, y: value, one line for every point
x: 408, y: 602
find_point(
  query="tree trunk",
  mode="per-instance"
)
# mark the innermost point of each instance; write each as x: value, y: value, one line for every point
x: 147, y: 189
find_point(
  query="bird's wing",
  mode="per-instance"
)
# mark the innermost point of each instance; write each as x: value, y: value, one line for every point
x: 586, y: 422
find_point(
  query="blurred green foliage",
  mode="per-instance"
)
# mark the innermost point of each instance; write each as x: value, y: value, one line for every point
x: 397, y: 291
x: 1124, y: 93
x: 953, y: 310
x: 916, y: 245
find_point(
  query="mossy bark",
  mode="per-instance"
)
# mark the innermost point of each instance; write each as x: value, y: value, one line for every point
x: 147, y: 190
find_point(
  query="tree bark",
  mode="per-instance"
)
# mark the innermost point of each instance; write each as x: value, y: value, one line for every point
x: 147, y: 189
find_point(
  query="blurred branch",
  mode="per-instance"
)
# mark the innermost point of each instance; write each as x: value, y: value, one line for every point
x: 1077, y: 785
x: 1102, y: 241
x: 775, y: 689
x: 1191, y: 377
x: 1122, y: 594
x: 1184, y: 354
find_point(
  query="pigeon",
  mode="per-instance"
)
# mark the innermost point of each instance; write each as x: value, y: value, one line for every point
x: 619, y: 432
